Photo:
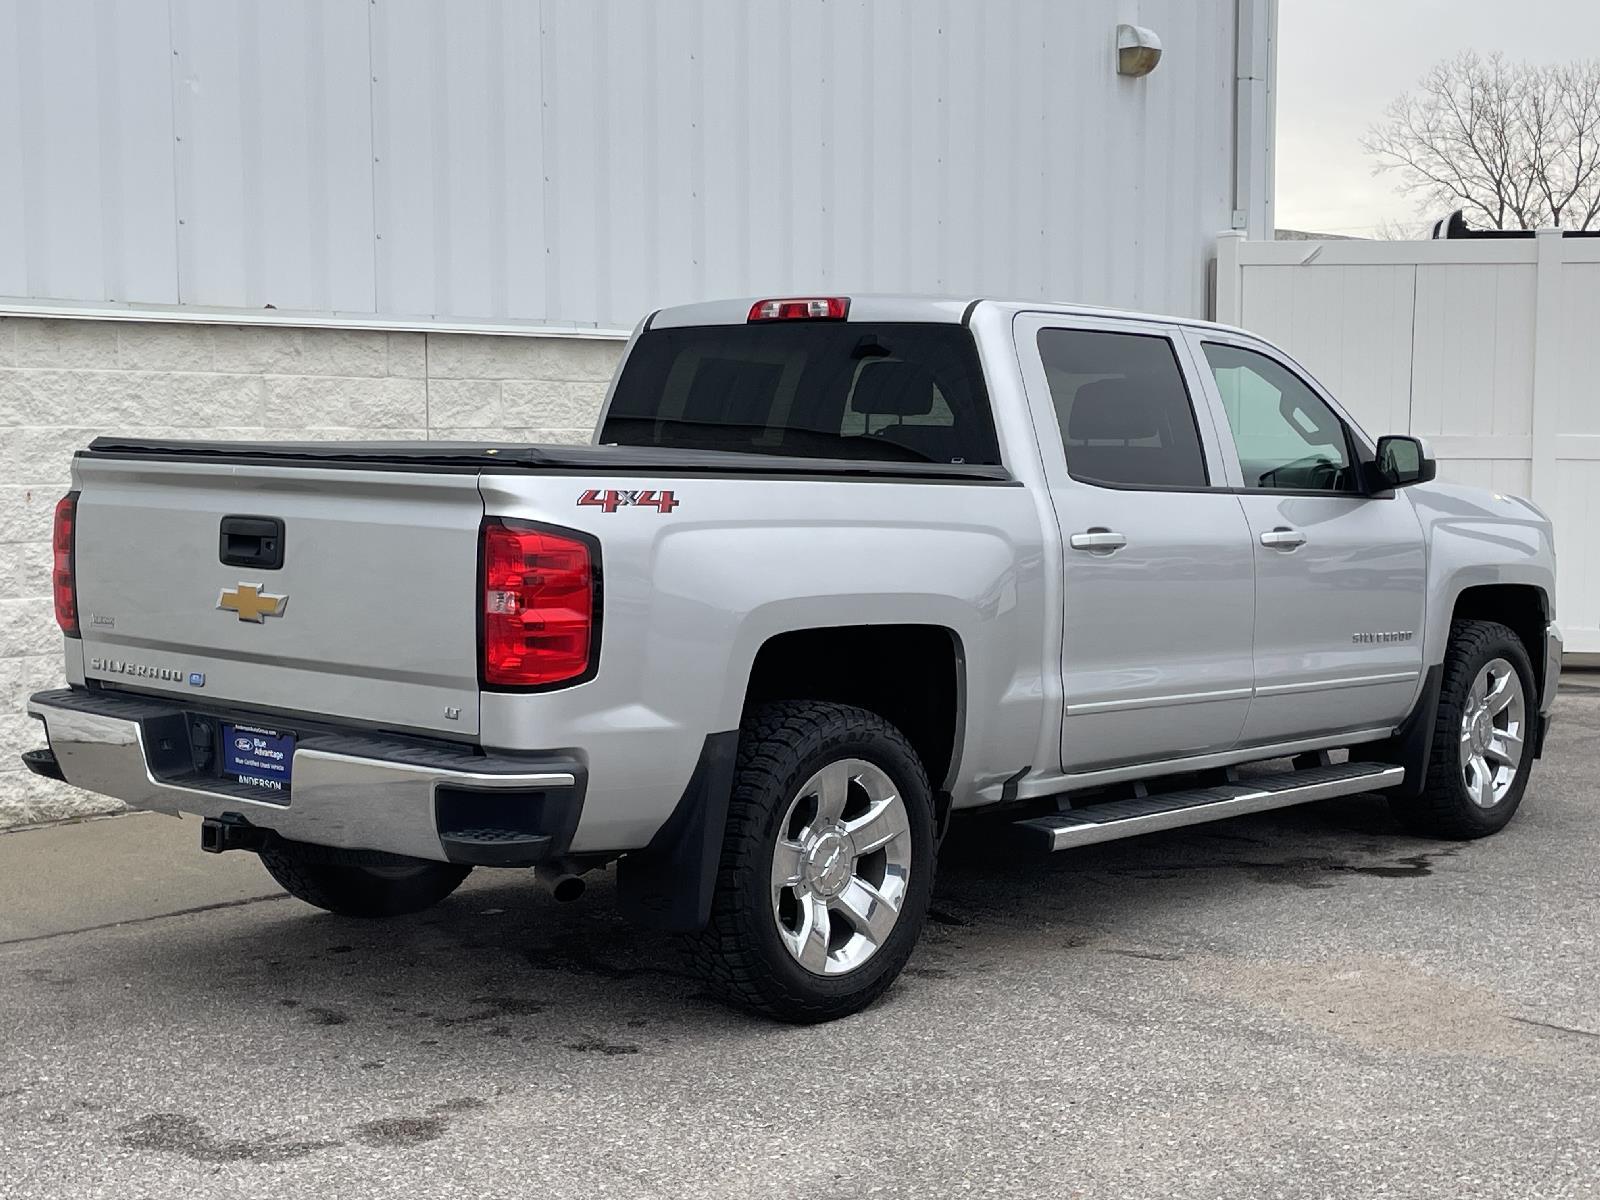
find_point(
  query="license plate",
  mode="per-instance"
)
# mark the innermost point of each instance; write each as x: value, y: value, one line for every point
x: 259, y: 757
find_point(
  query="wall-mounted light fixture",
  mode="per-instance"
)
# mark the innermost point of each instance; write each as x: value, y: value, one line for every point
x: 1138, y: 50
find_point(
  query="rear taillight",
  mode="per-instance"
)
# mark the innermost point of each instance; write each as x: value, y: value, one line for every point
x: 801, y: 308
x: 540, y: 589
x: 63, y: 570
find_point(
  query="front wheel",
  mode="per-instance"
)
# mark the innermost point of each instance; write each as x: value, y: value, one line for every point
x: 1482, y: 747
x: 356, y: 883
x: 827, y: 864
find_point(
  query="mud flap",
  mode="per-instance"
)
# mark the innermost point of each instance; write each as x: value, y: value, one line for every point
x: 668, y: 885
x: 1412, y: 743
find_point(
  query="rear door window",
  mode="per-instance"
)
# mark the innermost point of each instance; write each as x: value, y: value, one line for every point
x: 1123, y: 410
x: 885, y: 391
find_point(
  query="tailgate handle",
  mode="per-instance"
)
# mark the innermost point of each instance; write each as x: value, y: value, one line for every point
x: 252, y: 542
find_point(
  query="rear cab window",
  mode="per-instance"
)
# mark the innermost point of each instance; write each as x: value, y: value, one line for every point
x: 1123, y: 410
x: 884, y: 391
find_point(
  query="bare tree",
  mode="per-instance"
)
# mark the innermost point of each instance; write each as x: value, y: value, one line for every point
x: 1390, y: 230
x: 1514, y: 146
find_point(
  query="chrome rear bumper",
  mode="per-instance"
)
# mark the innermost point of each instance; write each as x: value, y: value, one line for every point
x: 349, y: 789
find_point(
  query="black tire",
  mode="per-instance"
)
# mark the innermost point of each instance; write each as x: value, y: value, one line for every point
x: 360, y: 883
x: 1445, y: 809
x: 740, y: 952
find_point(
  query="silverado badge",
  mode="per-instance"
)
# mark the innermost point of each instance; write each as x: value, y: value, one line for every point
x: 251, y: 603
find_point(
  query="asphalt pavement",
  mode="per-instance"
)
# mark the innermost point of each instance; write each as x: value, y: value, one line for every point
x: 1301, y: 1004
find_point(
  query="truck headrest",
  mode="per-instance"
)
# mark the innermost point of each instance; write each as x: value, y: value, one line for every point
x: 893, y: 388
x: 1111, y: 410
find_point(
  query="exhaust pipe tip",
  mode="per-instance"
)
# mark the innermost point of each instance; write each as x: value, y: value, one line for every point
x: 563, y: 886
x: 567, y: 888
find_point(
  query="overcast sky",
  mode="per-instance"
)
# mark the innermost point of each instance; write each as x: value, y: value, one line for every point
x: 1341, y: 61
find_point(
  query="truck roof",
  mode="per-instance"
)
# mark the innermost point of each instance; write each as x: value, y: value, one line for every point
x: 953, y: 310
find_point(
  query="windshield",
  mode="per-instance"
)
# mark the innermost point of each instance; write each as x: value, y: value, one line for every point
x: 890, y: 392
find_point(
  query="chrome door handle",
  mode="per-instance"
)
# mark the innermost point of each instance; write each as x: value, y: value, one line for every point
x: 1098, y: 541
x: 1283, y: 538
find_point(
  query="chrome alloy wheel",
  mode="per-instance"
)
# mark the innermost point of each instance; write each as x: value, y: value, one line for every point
x: 840, y: 867
x: 1493, y: 729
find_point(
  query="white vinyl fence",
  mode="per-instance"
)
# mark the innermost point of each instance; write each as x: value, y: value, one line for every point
x: 1489, y: 349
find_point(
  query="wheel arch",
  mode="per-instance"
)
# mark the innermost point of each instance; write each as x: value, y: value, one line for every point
x: 1524, y: 608
x: 913, y: 675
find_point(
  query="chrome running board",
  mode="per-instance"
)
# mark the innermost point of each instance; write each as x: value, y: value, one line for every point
x: 1172, y: 810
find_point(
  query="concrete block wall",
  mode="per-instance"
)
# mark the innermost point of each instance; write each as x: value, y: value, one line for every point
x: 64, y: 381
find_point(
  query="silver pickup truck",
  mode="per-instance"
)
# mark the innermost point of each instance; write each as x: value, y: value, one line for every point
x: 833, y: 569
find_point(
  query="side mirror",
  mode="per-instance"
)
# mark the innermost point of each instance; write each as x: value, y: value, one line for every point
x: 1402, y: 460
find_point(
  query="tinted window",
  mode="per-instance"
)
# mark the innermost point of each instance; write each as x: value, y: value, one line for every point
x: 1122, y: 407
x: 896, y: 392
x: 1287, y: 437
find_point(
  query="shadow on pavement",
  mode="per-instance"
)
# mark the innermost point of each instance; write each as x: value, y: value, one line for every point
x: 502, y: 964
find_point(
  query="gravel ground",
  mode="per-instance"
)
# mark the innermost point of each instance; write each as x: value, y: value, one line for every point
x: 1303, y: 1004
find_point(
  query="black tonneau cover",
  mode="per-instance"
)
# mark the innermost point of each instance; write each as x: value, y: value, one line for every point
x: 481, y: 456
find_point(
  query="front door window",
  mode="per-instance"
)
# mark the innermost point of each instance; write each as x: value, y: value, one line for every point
x: 1287, y: 437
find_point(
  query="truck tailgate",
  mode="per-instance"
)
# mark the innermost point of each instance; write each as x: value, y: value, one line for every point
x: 370, y: 618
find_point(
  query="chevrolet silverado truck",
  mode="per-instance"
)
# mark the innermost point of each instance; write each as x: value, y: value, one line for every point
x: 833, y: 569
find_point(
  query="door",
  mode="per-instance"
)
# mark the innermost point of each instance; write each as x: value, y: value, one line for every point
x: 1157, y: 566
x: 1340, y: 575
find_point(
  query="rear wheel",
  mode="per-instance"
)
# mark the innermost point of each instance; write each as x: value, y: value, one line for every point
x: 827, y: 864
x: 1482, y: 738
x: 360, y: 883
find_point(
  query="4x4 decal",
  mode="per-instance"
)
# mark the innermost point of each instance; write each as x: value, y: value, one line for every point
x: 611, y: 500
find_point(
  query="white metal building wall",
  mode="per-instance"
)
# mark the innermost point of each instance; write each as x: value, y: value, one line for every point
x: 569, y: 161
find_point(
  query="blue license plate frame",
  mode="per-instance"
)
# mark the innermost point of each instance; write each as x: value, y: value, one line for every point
x: 259, y: 758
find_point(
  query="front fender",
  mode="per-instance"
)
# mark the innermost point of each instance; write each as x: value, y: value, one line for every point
x: 1476, y: 539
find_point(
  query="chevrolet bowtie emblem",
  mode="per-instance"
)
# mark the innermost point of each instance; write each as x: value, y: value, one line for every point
x: 251, y: 603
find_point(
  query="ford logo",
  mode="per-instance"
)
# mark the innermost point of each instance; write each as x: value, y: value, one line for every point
x: 243, y: 744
